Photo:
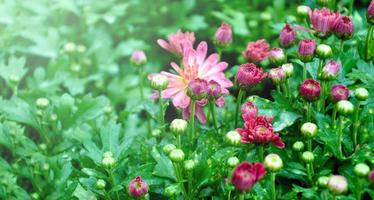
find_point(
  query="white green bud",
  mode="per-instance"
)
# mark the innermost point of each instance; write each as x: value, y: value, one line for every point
x: 361, y: 94
x: 159, y: 82
x: 307, y: 157
x: 309, y: 129
x: 233, y: 161
x: 42, y: 103
x: 168, y: 148
x: 108, y: 162
x: 361, y: 170
x: 70, y: 47
x: 303, y: 11
x: 189, y: 165
x: 156, y: 133
x: 298, y: 146
x: 273, y: 162
x: 337, y: 184
x: 288, y: 69
x: 233, y: 137
x: 176, y: 155
x: 324, y: 51
x: 107, y: 154
x: 322, y: 181
x: 344, y: 107
x: 178, y: 126
x: 100, y: 184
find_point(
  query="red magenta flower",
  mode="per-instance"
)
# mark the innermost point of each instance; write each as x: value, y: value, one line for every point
x: 197, y: 89
x: 214, y: 89
x: 370, y: 13
x: 178, y: 42
x: 310, y: 90
x: 259, y: 130
x: 323, y: 21
x: 248, y: 110
x: 287, y: 36
x: 256, y: 51
x: 223, y: 35
x: 344, y: 27
x: 246, y: 175
x: 249, y: 75
x: 138, y: 187
x: 277, y: 75
x: 306, y: 50
x: 339, y: 92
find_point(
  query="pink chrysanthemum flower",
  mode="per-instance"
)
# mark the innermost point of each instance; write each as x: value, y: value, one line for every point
x: 287, y: 36
x: 256, y: 51
x: 370, y: 13
x: 137, y: 187
x: 246, y: 175
x: 323, y: 21
x: 249, y: 110
x: 195, y: 65
x: 178, y: 42
x: 339, y: 92
x: 344, y: 27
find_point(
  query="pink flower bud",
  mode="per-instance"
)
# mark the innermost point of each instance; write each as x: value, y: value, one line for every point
x: 178, y: 42
x: 306, y: 50
x: 249, y: 75
x: 337, y: 184
x: 344, y: 28
x: 248, y: 110
x: 339, y: 92
x: 310, y: 90
x: 214, y: 89
x: 323, y: 21
x: 138, y: 58
x: 287, y: 36
x: 331, y: 70
x: 223, y: 35
x: 370, y: 13
x: 277, y: 75
x: 137, y: 187
x: 246, y: 175
x: 371, y: 176
x: 256, y: 51
x: 277, y: 56
x: 197, y: 89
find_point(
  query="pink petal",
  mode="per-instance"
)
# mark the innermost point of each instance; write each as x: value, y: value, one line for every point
x: 181, y: 100
x: 220, y: 102
x: 176, y: 67
x: 200, y: 114
x: 201, y: 52
x: 163, y: 44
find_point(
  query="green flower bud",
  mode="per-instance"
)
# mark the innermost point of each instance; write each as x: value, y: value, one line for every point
x: 178, y: 126
x: 171, y: 190
x: 309, y: 129
x: 42, y: 103
x: 70, y: 47
x: 322, y: 181
x: 14, y: 79
x: 108, y: 162
x: 156, y: 133
x: 361, y: 170
x: 307, y: 157
x: 303, y: 11
x: 108, y: 110
x: 168, y: 148
x: 75, y: 67
x: 233, y: 161
x: 361, y: 94
x: 53, y: 117
x: 176, y: 155
x: 288, y: 69
x: 35, y: 196
x: 344, y: 107
x: 45, y: 166
x: 273, y: 162
x: 337, y: 184
x: 324, y: 51
x: 159, y: 82
x: 233, y: 137
x: 107, y: 154
x: 189, y: 165
x: 43, y: 146
x: 100, y: 184
x: 298, y: 146
x: 81, y: 48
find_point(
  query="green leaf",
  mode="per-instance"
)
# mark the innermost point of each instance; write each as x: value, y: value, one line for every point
x: 19, y: 110
x: 164, y: 167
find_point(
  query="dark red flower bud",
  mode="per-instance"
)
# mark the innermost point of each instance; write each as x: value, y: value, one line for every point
x: 137, y: 187
x: 344, y: 28
x: 310, y: 90
x: 246, y: 175
x: 287, y: 36
x: 249, y: 75
x: 197, y: 89
x: 339, y: 92
x: 306, y: 50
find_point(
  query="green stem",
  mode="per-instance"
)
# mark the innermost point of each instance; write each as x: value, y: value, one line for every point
x: 341, y: 48
x: 309, y: 144
x: 321, y: 105
x: 368, y: 37
x: 161, y: 117
x: 340, y: 137
x: 229, y: 195
x: 333, y: 120
x: 273, y: 192
x: 356, y: 124
x: 351, y: 7
x: 149, y: 128
x: 110, y: 172
x: 288, y: 89
x: 190, y: 187
x: 242, y: 196
x: 212, y: 112
x: 309, y: 112
x: 309, y: 172
x: 359, y: 189
x: 284, y: 88
x: 304, y: 71
x: 320, y: 66
x: 238, y: 103
x: 179, y: 143
x: 179, y: 176
x: 260, y: 153
x: 192, y: 124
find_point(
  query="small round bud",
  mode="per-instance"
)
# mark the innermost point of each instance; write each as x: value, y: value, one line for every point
x: 176, y: 155
x: 233, y: 161
x: 178, y: 126
x: 307, y: 157
x: 337, y: 184
x: 303, y: 11
x: 108, y: 110
x: 100, y: 184
x: 309, y: 129
x: 14, y: 79
x: 108, y: 162
x: 361, y: 94
x: 42, y: 103
x: 156, y: 133
x: 35, y: 196
x: 159, y: 82
x: 361, y: 170
x: 324, y: 51
x: 138, y: 58
x: 45, y: 166
x: 168, y: 148
x: 344, y: 107
x: 189, y: 165
x: 277, y: 56
x: 277, y: 75
x: 138, y: 187
x: 288, y: 69
x: 273, y: 162
x: 197, y: 89
x: 298, y: 146
x: 81, y: 48
x: 53, y: 117
x: 322, y: 181
x: 223, y: 36
x: 233, y: 137
x: 70, y: 47
x: 43, y: 146
x: 107, y: 154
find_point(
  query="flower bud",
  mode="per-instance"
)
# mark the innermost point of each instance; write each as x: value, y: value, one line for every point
x: 370, y: 13
x: 322, y: 181
x: 43, y: 146
x: 223, y: 36
x: 214, y: 89
x: 233, y: 137
x: 249, y: 75
x: 344, y: 28
x: 14, y: 79
x: 233, y: 161
x: 159, y: 82
x: 361, y: 170
x: 189, y: 165
x: 298, y: 146
x: 361, y: 94
x: 324, y: 51
x: 108, y: 162
x: 168, y: 148
x: 107, y: 154
x: 248, y: 110
x: 309, y: 130
x: 371, y: 176
x: 176, y: 155
x: 42, y: 103
x: 306, y: 50
x: 178, y: 126
x: 288, y: 69
x: 307, y: 157
x: 197, y: 89
x: 108, y: 110
x: 277, y: 75
x: 310, y: 90
x: 287, y: 36
x: 100, y: 184
x: 156, y: 133
x: 337, y: 184
x: 277, y: 56
x: 138, y: 58
x: 75, y: 67
x: 35, y: 196
x: 69, y: 47
x: 303, y: 11
x: 138, y: 187
x: 331, y: 70
x: 339, y: 92
x: 53, y: 117
x: 273, y: 162
x: 344, y: 107
x: 81, y: 48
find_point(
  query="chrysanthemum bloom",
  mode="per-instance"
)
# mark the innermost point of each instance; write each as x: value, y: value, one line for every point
x: 277, y: 75
x: 178, y: 42
x: 331, y: 70
x: 214, y: 89
x: 339, y: 92
x: 259, y: 130
x: 306, y: 50
x: 248, y: 110
x: 197, y: 89
x: 246, y: 175
x: 344, y: 28
x: 323, y: 21
x: 249, y: 75
x: 277, y: 56
x: 138, y: 187
x: 138, y: 58
x: 370, y: 13
x: 287, y: 36
x: 223, y: 35
x: 310, y: 90
x: 195, y: 65
x: 337, y: 184
x: 256, y: 51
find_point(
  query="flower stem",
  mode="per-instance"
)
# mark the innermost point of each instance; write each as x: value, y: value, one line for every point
x: 212, y: 112
x: 260, y: 153
x: 340, y: 137
x: 341, y: 46
x: 351, y: 6
x: 238, y: 103
x: 309, y: 112
x: 179, y: 176
x: 288, y: 89
x: 229, y: 195
x: 192, y: 124
x: 333, y: 120
x: 273, y: 192
x: 309, y: 172
x: 304, y: 72
x: 190, y: 187
x: 309, y: 144
x: 368, y: 37
x: 284, y: 88
x: 161, y: 117
x: 320, y: 66
x: 110, y: 172
x: 356, y: 124
x: 149, y: 129
x: 241, y: 196
x: 321, y: 103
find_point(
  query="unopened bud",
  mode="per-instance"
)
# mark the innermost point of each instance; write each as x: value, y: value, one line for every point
x: 273, y: 162
x: 288, y: 69
x: 178, y: 126
x: 337, y: 184
x: 159, y: 81
x: 189, y: 165
x: 233, y: 137
x: 108, y: 162
x: 176, y: 155
x: 322, y: 181
x: 298, y: 146
x: 233, y: 161
x: 42, y: 103
x: 307, y: 157
x: 361, y: 170
x: 324, y: 51
x: 361, y: 94
x: 309, y: 129
x: 303, y: 11
x: 344, y: 107
x: 100, y: 184
x: 168, y: 148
